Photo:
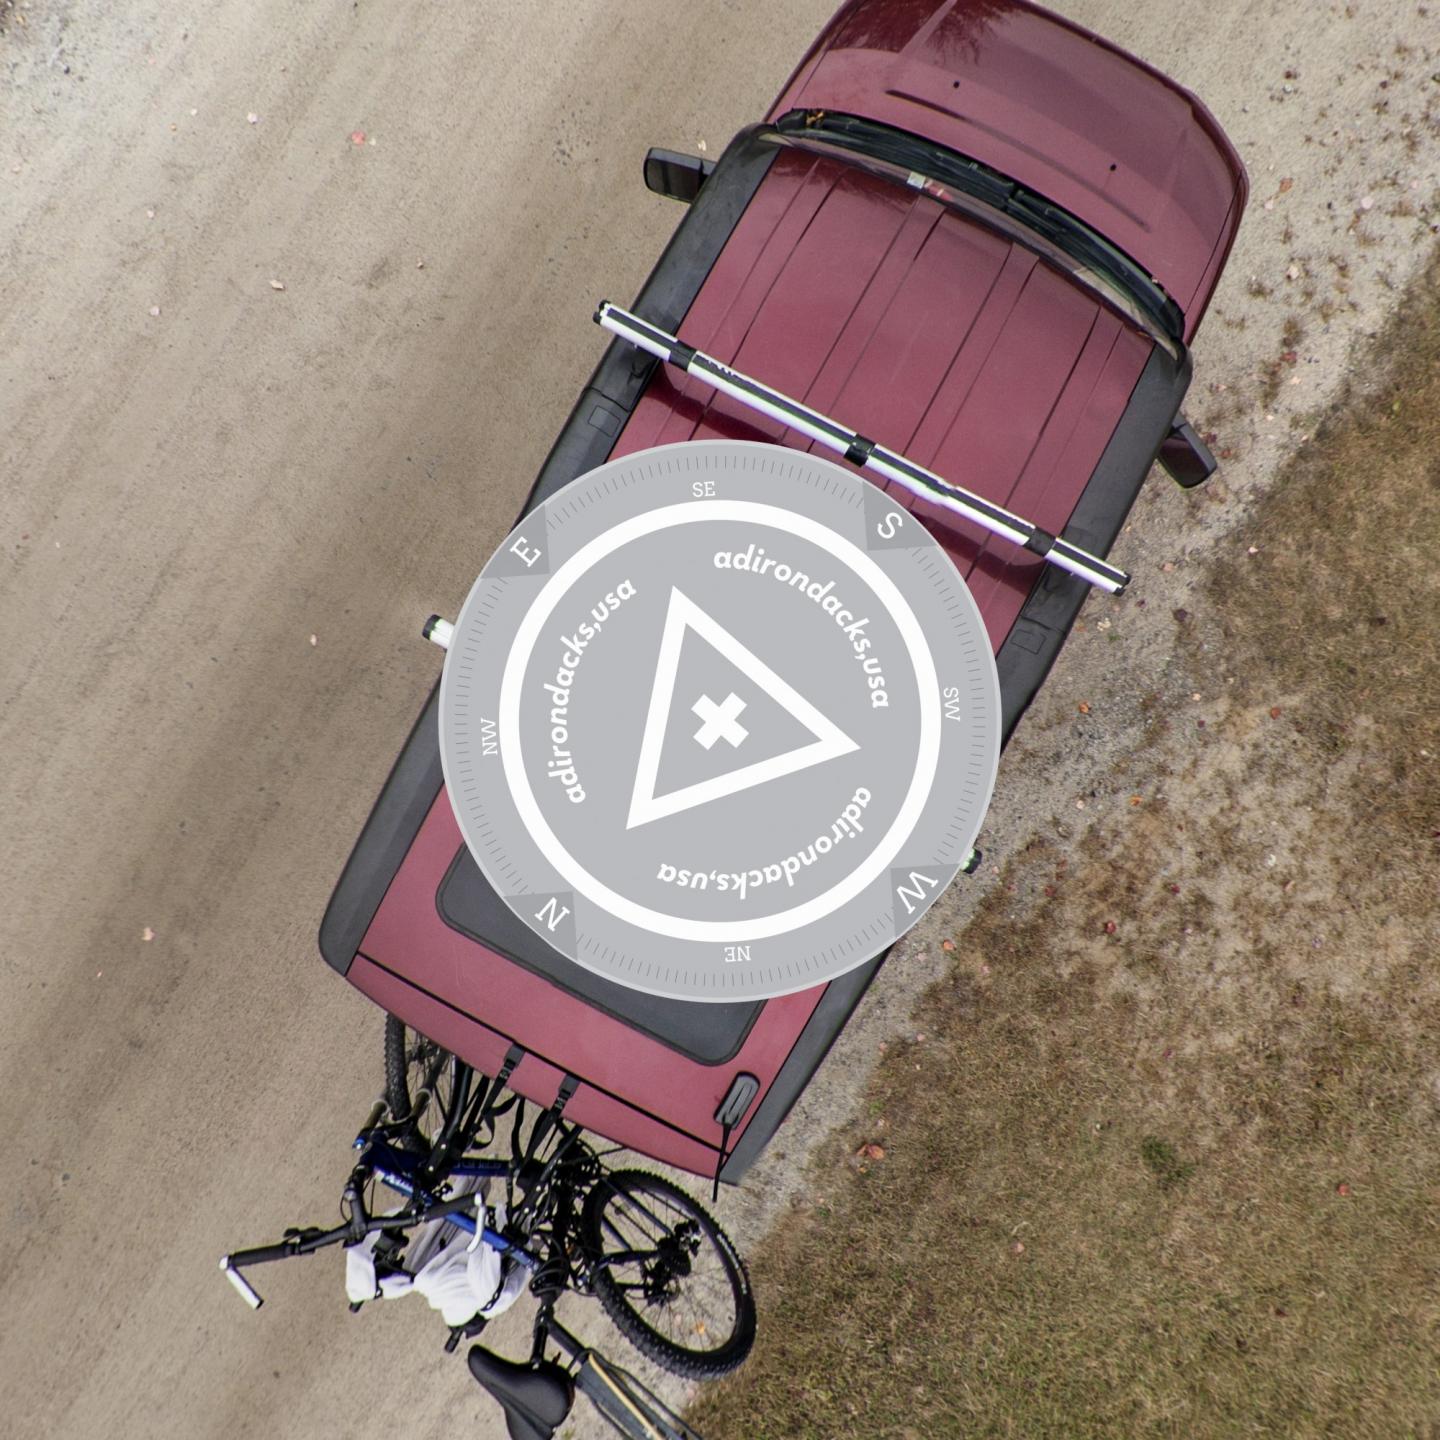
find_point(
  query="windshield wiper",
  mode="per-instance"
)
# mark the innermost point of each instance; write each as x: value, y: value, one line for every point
x: 869, y: 140
x: 909, y: 152
x: 1078, y: 239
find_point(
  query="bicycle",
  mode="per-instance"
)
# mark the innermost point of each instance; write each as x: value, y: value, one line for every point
x: 662, y: 1268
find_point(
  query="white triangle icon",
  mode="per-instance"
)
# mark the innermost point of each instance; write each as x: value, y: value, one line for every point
x: 830, y: 741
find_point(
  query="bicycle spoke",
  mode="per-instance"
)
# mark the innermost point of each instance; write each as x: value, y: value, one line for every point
x: 695, y: 1309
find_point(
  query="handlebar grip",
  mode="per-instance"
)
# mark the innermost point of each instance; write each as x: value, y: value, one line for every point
x: 261, y: 1255
x: 247, y: 1291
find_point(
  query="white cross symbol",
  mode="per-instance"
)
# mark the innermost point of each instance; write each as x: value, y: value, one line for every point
x: 719, y: 720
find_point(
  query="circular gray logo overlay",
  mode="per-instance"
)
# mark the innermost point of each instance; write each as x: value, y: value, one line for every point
x: 720, y: 721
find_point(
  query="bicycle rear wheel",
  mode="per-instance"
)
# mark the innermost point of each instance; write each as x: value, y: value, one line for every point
x: 414, y: 1065
x: 668, y: 1275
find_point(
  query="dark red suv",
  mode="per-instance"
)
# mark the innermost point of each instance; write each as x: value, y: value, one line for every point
x: 970, y: 230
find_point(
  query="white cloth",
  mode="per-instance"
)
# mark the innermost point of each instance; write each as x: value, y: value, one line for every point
x: 460, y: 1275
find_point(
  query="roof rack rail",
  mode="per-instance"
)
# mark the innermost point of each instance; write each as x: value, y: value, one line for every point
x: 860, y: 451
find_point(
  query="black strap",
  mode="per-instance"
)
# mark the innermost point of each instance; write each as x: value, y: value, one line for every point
x: 720, y: 1159
x: 568, y: 1086
x: 513, y: 1056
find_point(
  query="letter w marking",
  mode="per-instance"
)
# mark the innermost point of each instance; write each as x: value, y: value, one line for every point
x: 915, y: 894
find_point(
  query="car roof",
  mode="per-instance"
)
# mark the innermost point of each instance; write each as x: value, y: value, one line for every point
x: 921, y: 328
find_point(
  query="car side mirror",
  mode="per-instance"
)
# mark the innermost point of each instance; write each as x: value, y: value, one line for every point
x: 676, y: 176
x: 1184, y: 455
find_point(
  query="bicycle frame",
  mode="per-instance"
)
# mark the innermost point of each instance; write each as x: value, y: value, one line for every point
x: 399, y: 1171
x: 409, y: 1174
x: 548, y: 1189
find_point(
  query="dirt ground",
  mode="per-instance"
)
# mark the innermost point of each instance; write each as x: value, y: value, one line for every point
x: 1164, y: 1132
x: 227, y: 506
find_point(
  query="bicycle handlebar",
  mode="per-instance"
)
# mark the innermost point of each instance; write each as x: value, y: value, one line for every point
x: 306, y: 1242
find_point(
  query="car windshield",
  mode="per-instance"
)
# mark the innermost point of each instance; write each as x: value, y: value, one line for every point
x: 950, y: 177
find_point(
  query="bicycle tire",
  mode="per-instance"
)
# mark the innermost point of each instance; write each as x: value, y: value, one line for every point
x: 405, y: 1049
x: 620, y: 1198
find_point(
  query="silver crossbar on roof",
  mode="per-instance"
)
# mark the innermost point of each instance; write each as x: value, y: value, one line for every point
x: 860, y: 451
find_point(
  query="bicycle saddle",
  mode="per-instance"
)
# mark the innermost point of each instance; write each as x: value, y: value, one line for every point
x: 535, y: 1397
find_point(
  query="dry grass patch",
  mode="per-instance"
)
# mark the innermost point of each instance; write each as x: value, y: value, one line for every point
x: 1167, y: 1159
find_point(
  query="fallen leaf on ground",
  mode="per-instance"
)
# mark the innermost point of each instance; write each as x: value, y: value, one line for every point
x: 1286, y: 184
x: 1083, y: 707
x: 870, y: 1151
x: 947, y: 944
x: 1275, y: 712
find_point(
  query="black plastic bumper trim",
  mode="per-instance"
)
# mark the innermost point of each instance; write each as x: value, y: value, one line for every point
x: 1044, y: 622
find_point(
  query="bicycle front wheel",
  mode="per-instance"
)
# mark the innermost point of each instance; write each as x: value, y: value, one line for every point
x: 668, y: 1275
x: 414, y: 1066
